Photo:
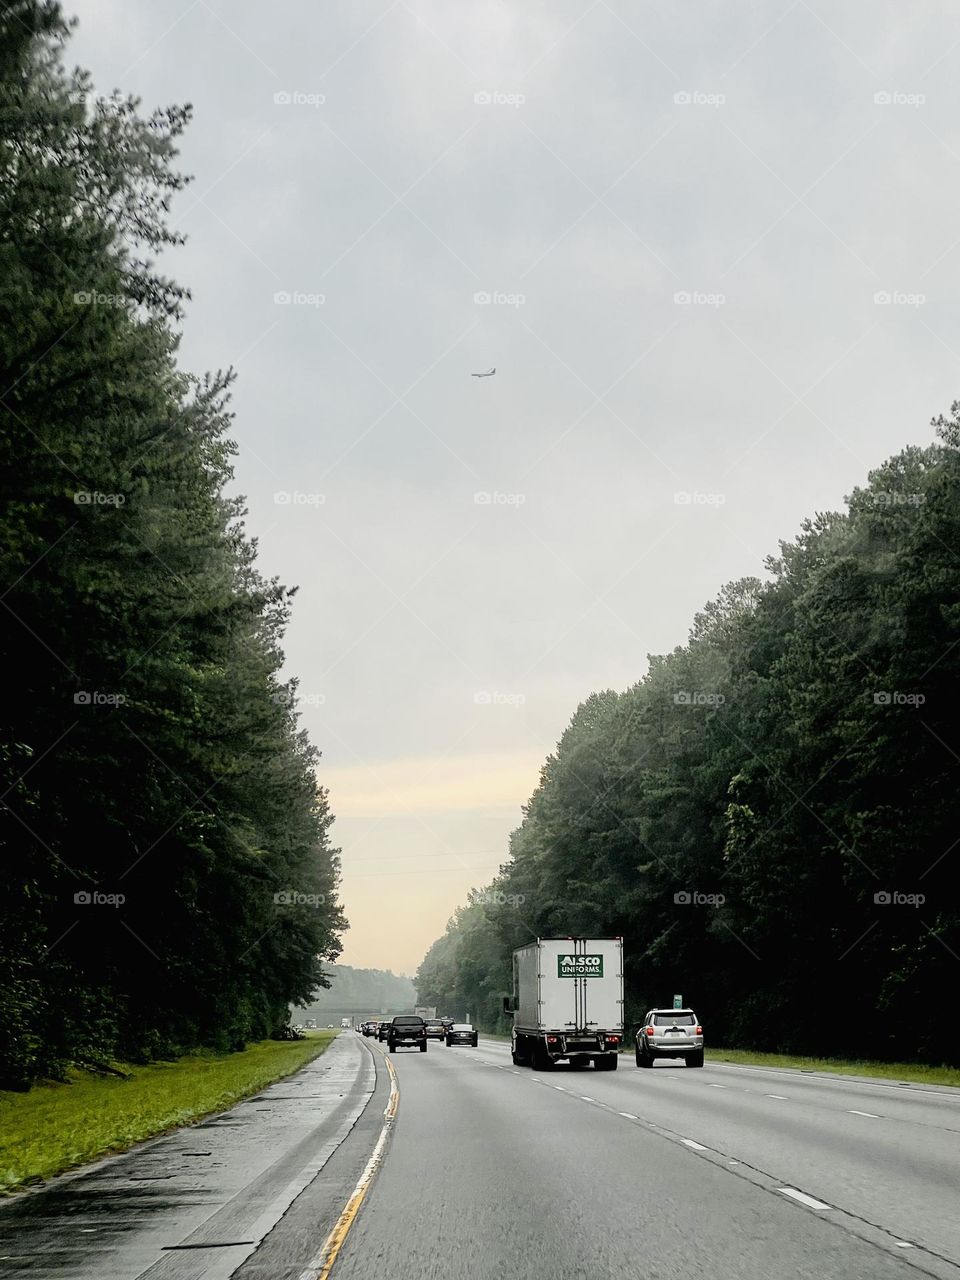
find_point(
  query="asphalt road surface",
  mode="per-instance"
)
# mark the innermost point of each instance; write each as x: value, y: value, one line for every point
x: 495, y: 1170
x: 491, y: 1170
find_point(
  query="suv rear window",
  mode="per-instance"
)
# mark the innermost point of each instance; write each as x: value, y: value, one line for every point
x: 408, y: 1022
x: 674, y: 1019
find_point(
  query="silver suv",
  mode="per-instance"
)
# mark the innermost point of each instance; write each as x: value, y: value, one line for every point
x: 670, y: 1033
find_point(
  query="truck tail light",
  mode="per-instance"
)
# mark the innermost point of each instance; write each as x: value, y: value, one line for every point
x: 648, y: 1031
x: 551, y: 1039
x: 613, y: 1039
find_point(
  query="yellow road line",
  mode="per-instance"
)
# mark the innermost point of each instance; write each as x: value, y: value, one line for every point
x: 321, y: 1265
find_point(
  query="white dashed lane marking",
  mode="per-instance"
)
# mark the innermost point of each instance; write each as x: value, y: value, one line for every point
x: 689, y: 1142
x: 809, y: 1201
x: 868, y: 1114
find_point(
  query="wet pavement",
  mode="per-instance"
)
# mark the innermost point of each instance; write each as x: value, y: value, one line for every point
x: 194, y: 1204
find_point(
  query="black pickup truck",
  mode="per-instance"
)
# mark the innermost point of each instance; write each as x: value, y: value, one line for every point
x: 409, y: 1030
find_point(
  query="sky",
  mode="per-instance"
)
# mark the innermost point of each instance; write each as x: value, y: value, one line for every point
x: 712, y: 253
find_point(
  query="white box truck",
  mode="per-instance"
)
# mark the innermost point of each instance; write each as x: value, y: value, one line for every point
x: 567, y: 1002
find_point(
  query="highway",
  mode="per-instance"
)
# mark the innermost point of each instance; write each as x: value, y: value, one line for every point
x: 490, y: 1170
x: 495, y: 1170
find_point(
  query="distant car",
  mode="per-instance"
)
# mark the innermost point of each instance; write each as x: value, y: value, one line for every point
x: 461, y: 1033
x: 409, y: 1030
x: 330, y: 1026
x: 670, y: 1033
x: 435, y: 1029
x: 383, y: 1031
x: 447, y: 1022
x: 369, y: 1028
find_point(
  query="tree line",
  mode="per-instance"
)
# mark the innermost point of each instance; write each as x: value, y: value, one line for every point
x: 769, y: 816
x: 167, y: 879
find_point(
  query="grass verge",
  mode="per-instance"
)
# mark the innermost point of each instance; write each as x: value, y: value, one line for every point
x: 57, y: 1126
x: 912, y: 1072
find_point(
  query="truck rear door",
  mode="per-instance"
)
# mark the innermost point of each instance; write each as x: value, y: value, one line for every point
x: 581, y: 983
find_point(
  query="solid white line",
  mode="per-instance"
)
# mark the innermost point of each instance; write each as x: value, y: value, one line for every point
x: 804, y: 1199
x: 828, y: 1078
x: 689, y: 1142
x: 868, y: 1114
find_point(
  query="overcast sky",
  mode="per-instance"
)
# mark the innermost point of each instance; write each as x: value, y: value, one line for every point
x: 475, y: 556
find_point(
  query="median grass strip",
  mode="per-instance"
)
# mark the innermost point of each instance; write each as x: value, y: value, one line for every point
x: 57, y: 1126
x: 911, y: 1072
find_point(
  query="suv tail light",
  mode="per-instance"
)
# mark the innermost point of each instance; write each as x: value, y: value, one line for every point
x: 648, y: 1031
x: 699, y: 1031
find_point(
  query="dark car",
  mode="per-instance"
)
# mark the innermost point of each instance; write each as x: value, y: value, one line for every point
x: 435, y: 1028
x: 368, y: 1028
x: 383, y: 1030
x: 461, y: 1033
x: 407, y: 1030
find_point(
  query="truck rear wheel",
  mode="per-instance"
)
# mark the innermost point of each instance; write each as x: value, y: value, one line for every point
x: 541, y: 1059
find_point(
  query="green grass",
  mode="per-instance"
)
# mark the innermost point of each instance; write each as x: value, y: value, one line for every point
x: 57, y: 1126
x: 912, y: 1072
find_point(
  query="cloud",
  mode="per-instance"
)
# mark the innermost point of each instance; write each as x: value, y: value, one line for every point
x: 438, y: 784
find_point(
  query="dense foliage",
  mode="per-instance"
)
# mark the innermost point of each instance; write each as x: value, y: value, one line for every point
x: 356, y: 992
x: 166, y: 877
x: 769, y: 816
